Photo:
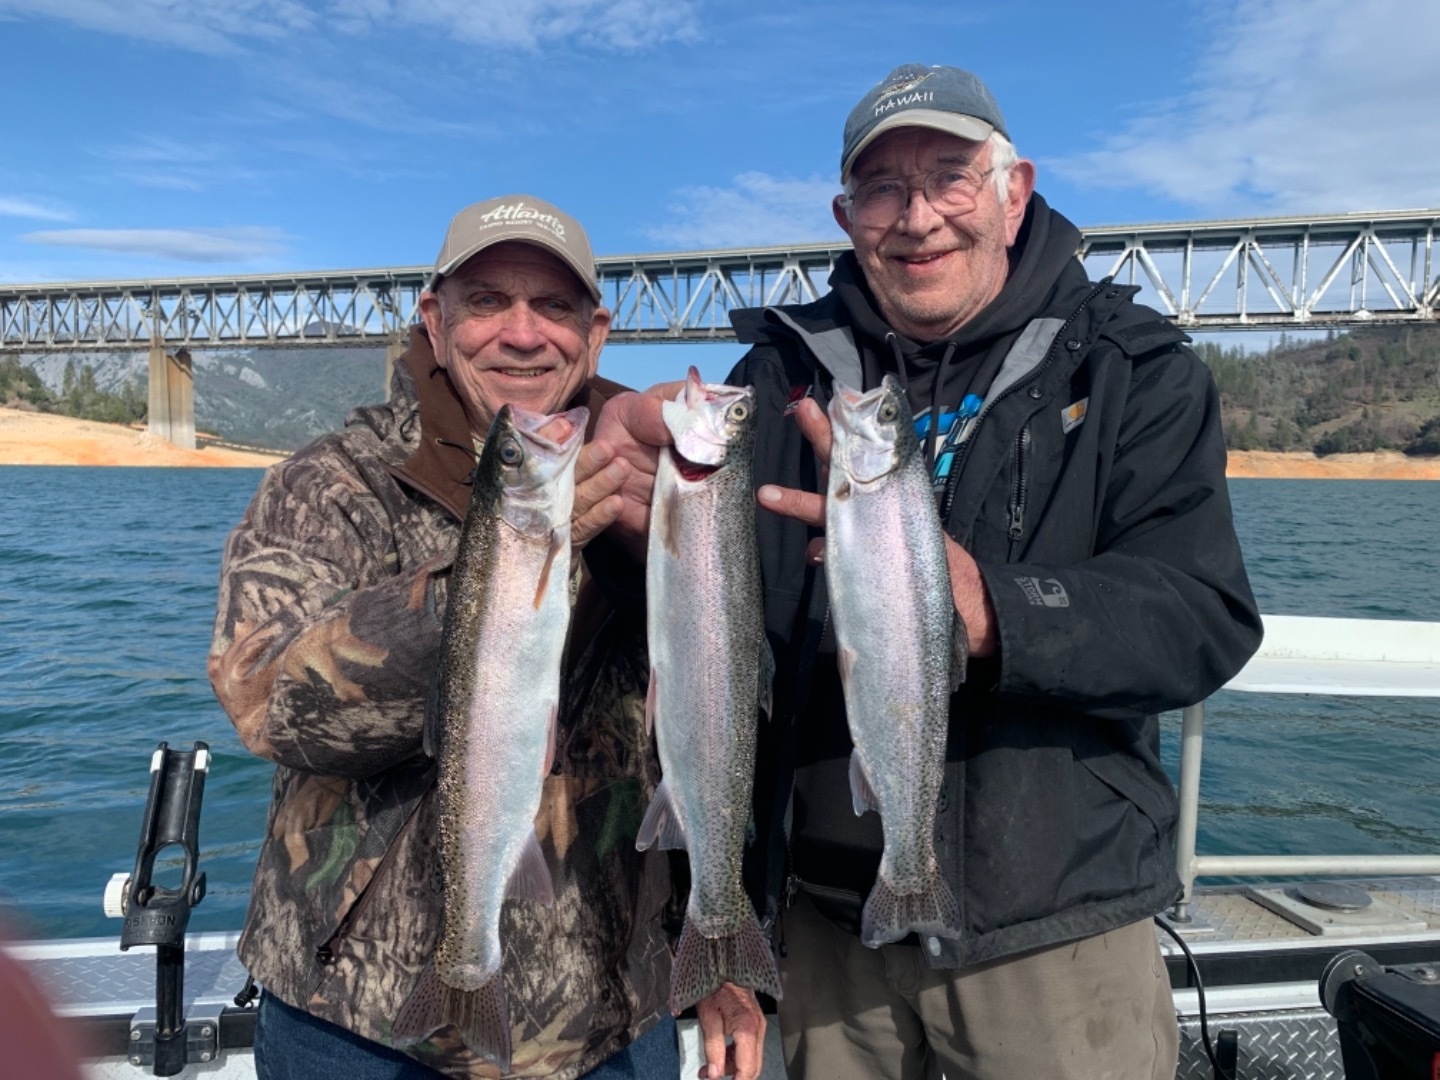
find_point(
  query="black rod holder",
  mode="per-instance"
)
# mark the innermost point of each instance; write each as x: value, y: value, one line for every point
x: 156, y: 915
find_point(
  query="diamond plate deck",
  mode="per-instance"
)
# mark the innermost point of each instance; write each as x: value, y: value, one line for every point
x: 1300, y: 1045
x: 92, y: 977
x: 1236, y: 921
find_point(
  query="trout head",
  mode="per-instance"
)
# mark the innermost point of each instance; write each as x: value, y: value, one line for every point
x: 873, y: 432
x: 711, y: 424
x: 529, y: 463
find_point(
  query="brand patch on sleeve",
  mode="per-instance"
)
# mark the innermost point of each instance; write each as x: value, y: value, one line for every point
x: 1072, y: 416
x: 1043, y: 592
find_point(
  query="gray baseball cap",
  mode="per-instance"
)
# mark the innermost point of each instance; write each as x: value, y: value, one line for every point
x: 913, y: 95
x: 517, y: 217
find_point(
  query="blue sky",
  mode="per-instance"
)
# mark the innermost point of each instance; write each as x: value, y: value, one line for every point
x: 199, y: 137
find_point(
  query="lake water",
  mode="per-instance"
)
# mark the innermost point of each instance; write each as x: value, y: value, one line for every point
x: 107, y: 593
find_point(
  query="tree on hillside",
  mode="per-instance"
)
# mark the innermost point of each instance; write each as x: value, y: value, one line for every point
x: 21, y: 386
x: 82, y: 398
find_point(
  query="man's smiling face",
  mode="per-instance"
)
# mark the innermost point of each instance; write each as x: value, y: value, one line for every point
x: 932, y: 273
x: 514, y: 325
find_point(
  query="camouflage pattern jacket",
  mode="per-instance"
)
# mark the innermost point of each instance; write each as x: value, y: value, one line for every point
x: 332, y: 596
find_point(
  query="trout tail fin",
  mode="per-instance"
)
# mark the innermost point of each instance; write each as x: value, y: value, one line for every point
x: 703, y: 963
x: 482, y: 1017
x: 890, y: 915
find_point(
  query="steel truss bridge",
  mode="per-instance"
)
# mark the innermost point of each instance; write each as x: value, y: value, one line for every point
x: 1276, y: 273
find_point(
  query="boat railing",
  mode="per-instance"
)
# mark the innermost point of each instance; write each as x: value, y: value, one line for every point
x: 1306, y: 655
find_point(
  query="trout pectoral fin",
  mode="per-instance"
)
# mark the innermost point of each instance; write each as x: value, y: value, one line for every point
x: 531, y: 879
x: 862, y: 795
x: 670, y: 521
x: 558, y: 543
x: 661, y: 828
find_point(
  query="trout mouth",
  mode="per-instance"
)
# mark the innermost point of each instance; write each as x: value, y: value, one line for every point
x: 692, y: 471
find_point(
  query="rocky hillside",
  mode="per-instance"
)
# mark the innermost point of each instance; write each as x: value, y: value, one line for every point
x: 1375, y: 388
x: 276, y: 398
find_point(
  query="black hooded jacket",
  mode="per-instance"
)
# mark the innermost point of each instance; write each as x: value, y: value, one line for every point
x: 1091, y: 493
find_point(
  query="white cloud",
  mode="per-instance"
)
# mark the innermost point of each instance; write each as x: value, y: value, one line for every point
x: 172, y: 164
x: 1327, y: 105
x: 13, y: 206
x: 185, y: 245
x: 209, y: 26
x: 623, y: 24
x: 204, y: 26
x: 756, y: 209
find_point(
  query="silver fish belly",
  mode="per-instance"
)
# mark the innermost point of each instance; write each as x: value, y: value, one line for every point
x: 889, y: 588
x: 492, y: 724
x: 710, y: 675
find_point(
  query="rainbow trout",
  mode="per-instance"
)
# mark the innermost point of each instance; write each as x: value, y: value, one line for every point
x: 491, y: 726
x: 710, y: 674
x: 897, y: 637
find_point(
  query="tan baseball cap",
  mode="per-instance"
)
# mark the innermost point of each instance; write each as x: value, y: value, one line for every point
x: 517, y: 217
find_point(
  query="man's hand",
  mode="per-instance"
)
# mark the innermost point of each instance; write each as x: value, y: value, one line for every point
x: 630, y: 432
x: 805, y: 506
x: 599, y: 477
x: 731, y: 1011
x: 972, y: 599
x: 967, y: 587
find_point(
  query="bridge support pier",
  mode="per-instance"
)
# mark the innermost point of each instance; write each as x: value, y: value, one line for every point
x: 172, y: 396
x: 394, y: 349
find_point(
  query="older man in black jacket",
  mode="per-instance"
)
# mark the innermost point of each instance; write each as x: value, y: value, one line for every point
x: 1079, y: 473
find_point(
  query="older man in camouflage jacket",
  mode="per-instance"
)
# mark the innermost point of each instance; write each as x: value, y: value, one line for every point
x: 331, y: 601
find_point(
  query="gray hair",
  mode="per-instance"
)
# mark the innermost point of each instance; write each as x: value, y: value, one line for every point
x: 1003, y: 158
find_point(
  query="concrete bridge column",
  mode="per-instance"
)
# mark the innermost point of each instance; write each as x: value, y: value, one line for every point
x: 394, y: 349
x: 172, y: 395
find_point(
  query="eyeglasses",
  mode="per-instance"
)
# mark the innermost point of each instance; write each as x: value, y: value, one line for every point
x: 880, y: 203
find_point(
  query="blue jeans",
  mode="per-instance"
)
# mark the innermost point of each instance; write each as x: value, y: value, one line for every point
x: 290, y: 1044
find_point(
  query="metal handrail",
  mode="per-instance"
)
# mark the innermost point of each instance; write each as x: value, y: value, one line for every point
x: 1303, y: 655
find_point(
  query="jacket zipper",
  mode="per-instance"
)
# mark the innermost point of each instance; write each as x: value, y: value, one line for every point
x: 1019, y: 486
x: 953, y: 484
x: 325, y: 953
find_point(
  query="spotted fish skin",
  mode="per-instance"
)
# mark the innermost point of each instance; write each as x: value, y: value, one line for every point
x: 492, y: 724
x: 896, y: 633
x: 710, y: 676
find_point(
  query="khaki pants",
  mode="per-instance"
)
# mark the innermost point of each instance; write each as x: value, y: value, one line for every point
x: 1087, y: 1010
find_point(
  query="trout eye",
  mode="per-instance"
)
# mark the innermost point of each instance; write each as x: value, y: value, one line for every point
x: 889, y: 412
x: 737, y: 413
x: 510, y: 453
